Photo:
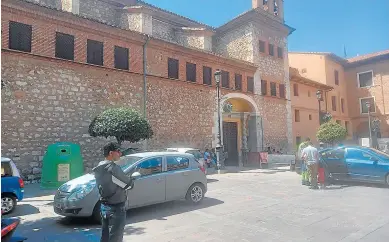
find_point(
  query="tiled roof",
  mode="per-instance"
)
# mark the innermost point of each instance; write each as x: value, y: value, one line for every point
x: 336, y: 58
x: 367, y: 56
x: 169, y: 12
x: 295, y: 76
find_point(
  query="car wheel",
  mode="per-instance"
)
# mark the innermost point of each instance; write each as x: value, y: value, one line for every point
x: 96, y: 216
x: 195, y: 193
x: 8, y: 203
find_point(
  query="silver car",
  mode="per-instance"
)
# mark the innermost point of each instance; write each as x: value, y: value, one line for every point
x: 161, y: 177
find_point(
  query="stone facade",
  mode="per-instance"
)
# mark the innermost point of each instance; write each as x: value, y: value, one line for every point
x: 99, y: 10
x: 236, y: 43
x: 46, y: 100
x: 131, y: 21
x: 163, y: 30
x: 55, y: 4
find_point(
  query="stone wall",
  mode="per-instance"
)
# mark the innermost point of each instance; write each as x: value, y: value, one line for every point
x: 190, y: 40
x: 236, y: 43
x: 46, y: 101
x: 163, y: 30
x: 99, y: 10
x: 131, y: 21
x: 56, y: 4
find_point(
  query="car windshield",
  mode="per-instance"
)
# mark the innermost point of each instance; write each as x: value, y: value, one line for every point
x: 380, y: 153
x: 127, y: 161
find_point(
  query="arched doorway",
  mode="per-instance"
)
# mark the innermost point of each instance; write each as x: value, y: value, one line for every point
x: 239, y: 128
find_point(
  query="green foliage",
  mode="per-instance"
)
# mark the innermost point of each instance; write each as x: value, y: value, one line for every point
x: 331, y: 132
x: 125, y: 124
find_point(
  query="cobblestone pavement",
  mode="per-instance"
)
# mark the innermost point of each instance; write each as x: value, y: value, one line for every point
x: 255, y: 205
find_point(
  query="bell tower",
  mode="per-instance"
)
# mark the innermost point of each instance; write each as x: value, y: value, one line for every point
x: 274, y: 7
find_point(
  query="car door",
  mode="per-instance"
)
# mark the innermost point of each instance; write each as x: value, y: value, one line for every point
x: 150, y: 188
x: 335, y: 163
x: 361, y: 165
x: 178, y: 176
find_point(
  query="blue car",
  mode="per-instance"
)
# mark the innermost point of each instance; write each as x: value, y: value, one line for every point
x: 12, y: 186
x: 356, y: 163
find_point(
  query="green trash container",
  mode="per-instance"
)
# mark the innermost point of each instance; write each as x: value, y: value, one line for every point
x: 61, y: 163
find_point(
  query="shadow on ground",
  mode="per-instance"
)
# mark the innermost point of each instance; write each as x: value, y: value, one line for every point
x: 359, y: 184
x: 210, y: 180
x: 61, y: 228
x: 22, y: 210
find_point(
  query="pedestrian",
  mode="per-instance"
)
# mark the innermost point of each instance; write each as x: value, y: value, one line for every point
x: 112, y: 183
x: 304, y: 168
x: 311, y: 157
x: 207, y: 158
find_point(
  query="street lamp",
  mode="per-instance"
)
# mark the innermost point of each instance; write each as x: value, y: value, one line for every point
x: 319, y: 96
x: 219, y: 147
x: 368, y: 114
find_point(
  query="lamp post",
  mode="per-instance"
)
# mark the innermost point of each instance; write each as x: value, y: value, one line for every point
x: 219, y: 147
x: 319, y: 96
x: 368, y: 115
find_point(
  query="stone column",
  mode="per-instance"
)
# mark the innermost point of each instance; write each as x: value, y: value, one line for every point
x: 244, y: 139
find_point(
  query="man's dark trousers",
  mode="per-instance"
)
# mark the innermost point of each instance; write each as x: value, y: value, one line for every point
x: 113, y: 222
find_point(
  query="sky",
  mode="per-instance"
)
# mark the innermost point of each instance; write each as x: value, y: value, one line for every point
x: 359, y: 26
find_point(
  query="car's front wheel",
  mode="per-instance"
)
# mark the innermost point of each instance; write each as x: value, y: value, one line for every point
x: 195, y: 193
x: 8, y: 203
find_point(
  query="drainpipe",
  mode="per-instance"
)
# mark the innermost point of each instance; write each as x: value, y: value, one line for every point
x: 145, y: 75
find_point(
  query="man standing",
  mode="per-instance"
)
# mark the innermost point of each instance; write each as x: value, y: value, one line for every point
x: 304, y: 168
x: 311, y: 157
x: 112, y: 183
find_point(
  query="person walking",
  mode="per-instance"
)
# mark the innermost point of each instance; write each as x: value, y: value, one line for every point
x: 304, y: 168
x: 311, y: 157
x: 112, y: 183
x: 207, y: 158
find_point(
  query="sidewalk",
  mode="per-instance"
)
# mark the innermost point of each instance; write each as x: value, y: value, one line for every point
x: 235, y: 169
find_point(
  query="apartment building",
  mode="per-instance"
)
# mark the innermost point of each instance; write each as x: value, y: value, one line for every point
x: 354, y: 82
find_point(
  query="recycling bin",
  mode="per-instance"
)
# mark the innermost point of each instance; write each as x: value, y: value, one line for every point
x: 61, y: 163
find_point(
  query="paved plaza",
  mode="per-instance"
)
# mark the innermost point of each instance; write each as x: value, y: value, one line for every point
x: 253, y: 205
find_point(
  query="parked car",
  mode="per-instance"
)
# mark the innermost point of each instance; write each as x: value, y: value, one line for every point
x: 12, y: 185
x: 195, y: 152
x: 356, y: 163
x: 164, y: 176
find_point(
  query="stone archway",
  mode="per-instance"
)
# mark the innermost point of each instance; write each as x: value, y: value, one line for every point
x: 240, y: 129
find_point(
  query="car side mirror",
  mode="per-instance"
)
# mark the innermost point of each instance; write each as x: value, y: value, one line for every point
x: 136, y: 175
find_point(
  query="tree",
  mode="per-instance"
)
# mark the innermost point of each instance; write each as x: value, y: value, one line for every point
x: 125, y: 124
x: 331, y: 132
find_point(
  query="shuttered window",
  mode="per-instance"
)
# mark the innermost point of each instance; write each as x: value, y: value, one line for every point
x: 172, y: 68
x: 20, y: 36
x: 121, y: 58
x: 238, y: 82
x: 64, y: 46
x: 190, y: 72
x: 95, y: 53
x: 207, y: 75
